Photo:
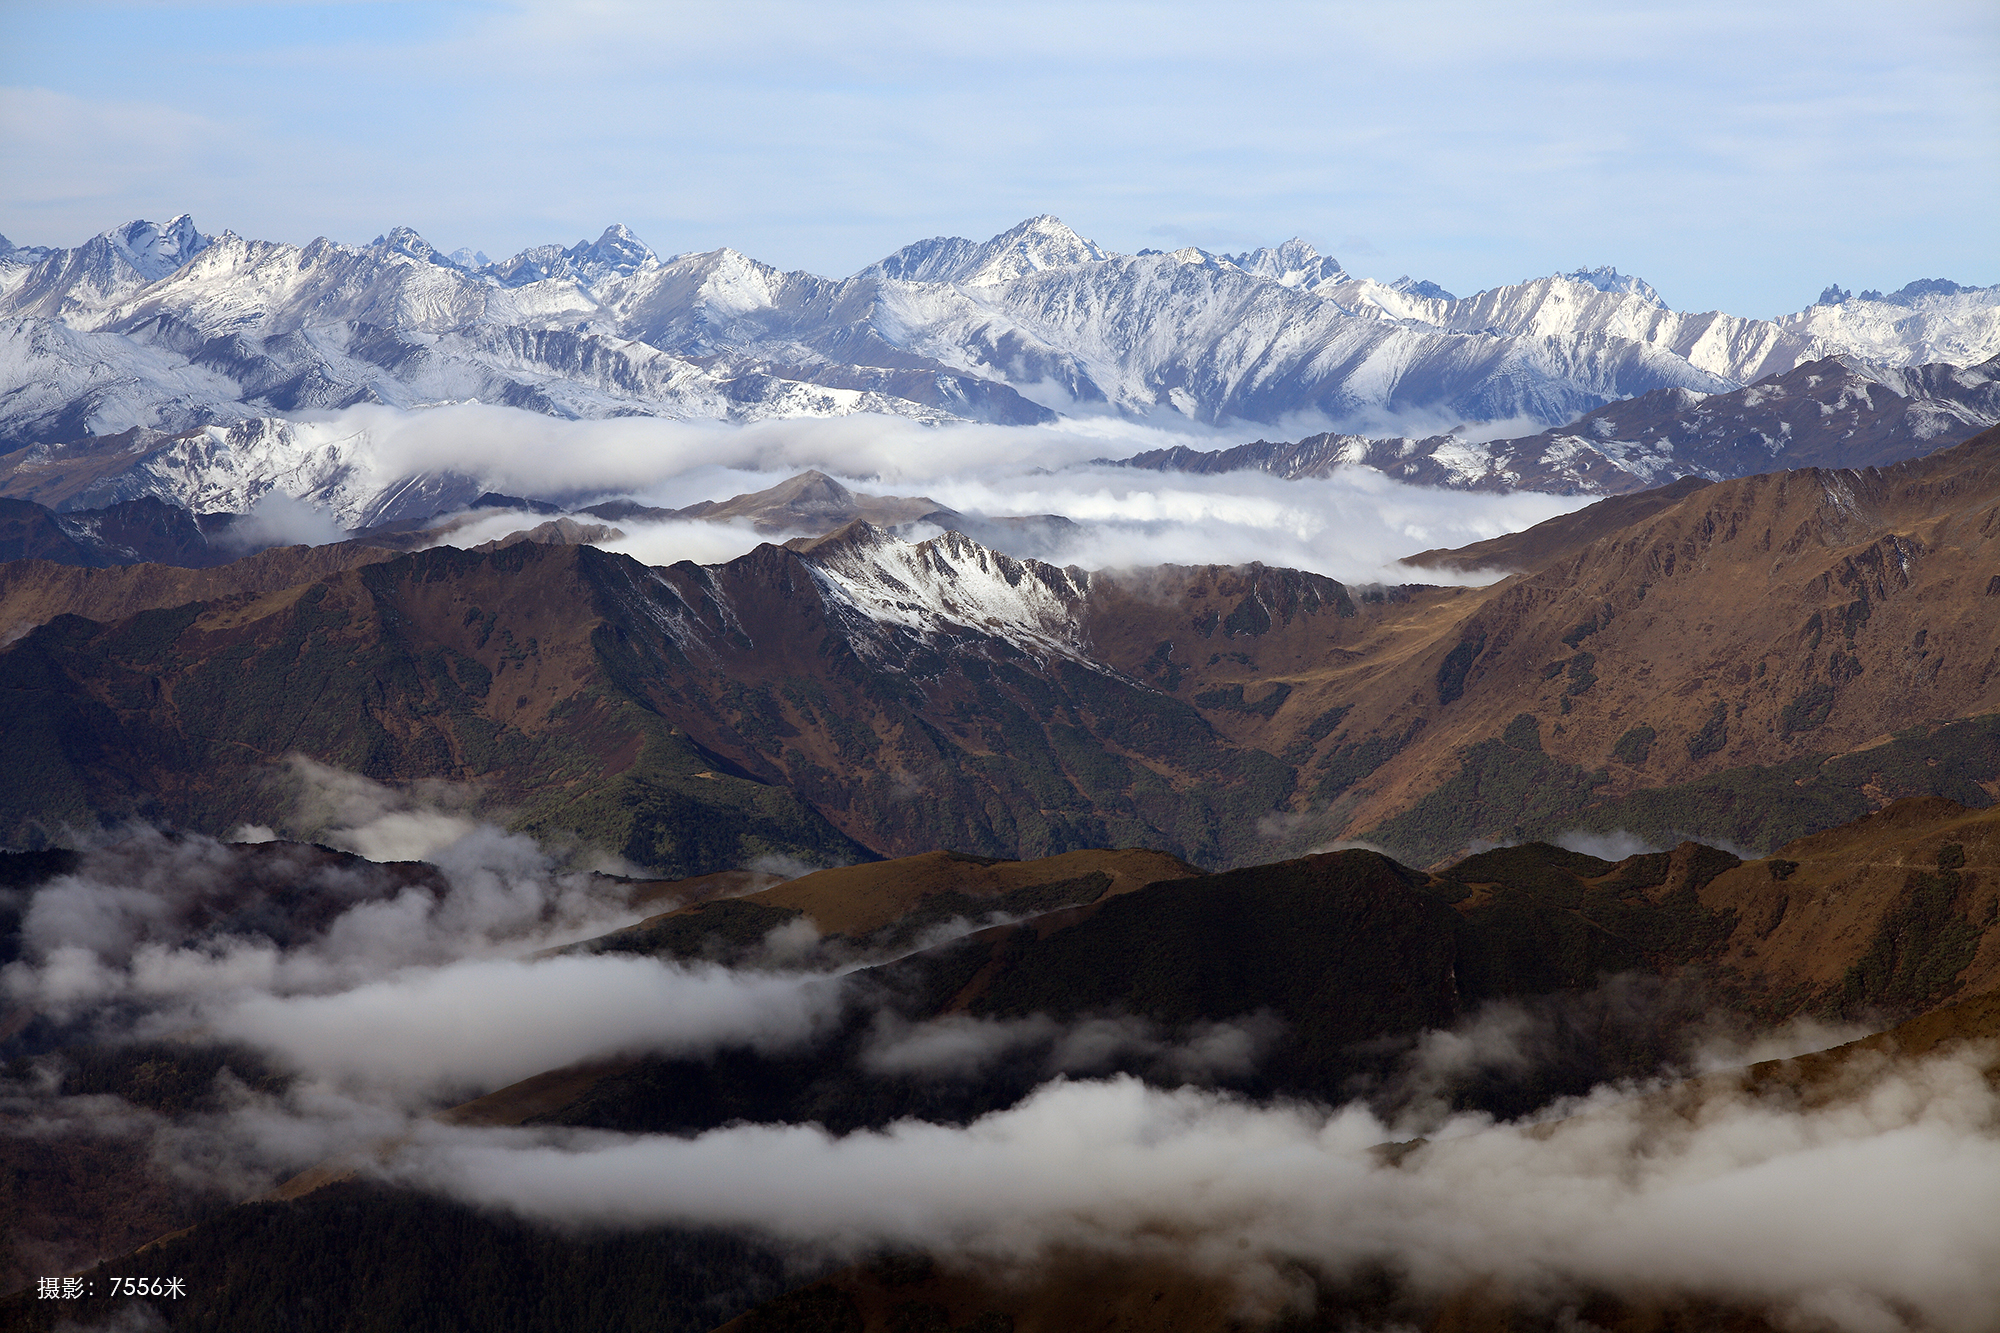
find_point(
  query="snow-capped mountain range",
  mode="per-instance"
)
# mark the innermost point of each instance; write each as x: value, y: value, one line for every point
x: 164, y: 327
x: 1841, y: 412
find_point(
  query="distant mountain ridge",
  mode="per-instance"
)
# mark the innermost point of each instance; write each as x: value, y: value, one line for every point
x: 165, y: 327
x: 1840, y: 412
x: 132, y: 532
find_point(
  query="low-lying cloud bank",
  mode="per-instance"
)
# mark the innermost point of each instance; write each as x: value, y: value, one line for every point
x: 1865, y: 1206
x: 1873, y: 1213
x: 409, y: 991
x: 483, y: 1024
x: 153, y: 919
x: 1352, y: 526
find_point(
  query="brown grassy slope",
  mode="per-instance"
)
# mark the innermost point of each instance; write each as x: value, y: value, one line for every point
x: 859, y: 900
x: 1755, y: 594
x: 1845, y: 1073
x: 1227, y: 638
x: 1560, y: 537
x: 855, y: 901
x: 1821, y: 611
x: 51, y: 475
x: 1749, y: 622
x: 812, y: 502
x: 546, y: 673
x: 1818, y: 610
x: 1753, y: 622
x: 1864, y: 918
x: 33, y: 592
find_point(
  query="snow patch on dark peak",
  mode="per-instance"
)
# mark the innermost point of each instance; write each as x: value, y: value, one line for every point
x: 616, y: 252
x: 948, y: 586
x: 1040, y: 243
x: 1908, y: 295
x: 21, y: 256
x: 1910, y: 291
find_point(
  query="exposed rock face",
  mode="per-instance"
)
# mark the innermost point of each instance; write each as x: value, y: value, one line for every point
x: 1831, y: 413
x: 146, y: 530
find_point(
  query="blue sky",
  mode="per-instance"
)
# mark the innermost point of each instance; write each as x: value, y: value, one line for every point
x: 1737, y: 155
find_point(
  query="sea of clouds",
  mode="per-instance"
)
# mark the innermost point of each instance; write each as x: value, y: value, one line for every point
x: 1869, y: 1212
x: 1868, y: 1209
x: 1354, y: 525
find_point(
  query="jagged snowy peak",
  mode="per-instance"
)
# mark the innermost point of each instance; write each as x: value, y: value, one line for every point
x: 950, y: 586
x: 105, y: 269
x: 1292, y: 264
x: 16, y: 263
x: 153, y: 250
x: 939, y: 259
x: 1037, y: 245
x: 207, y: 470
x: 719, y: 301
x: 1909, y: 292
x: 1924, y: 322
x: 1040, y: 243
x: 57, y: 383
x: 616, y: 250
x: 1429, y: 291
x: 1155, y: 334
x: 1906, y: 295
x: 1608, y: 279
x: 232, y: 285
x: 1565, y: 306
x: 615, y: 253
x: 405, y: 241
x: 1034, y: 321
x: 14, y: 256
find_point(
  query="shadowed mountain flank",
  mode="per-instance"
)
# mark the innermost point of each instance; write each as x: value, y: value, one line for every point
x: 1747, y: 661
x: 1832, y: 413
x: 1331, y: 978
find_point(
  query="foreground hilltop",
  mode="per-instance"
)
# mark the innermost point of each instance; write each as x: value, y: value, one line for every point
x: 1496, y: 984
